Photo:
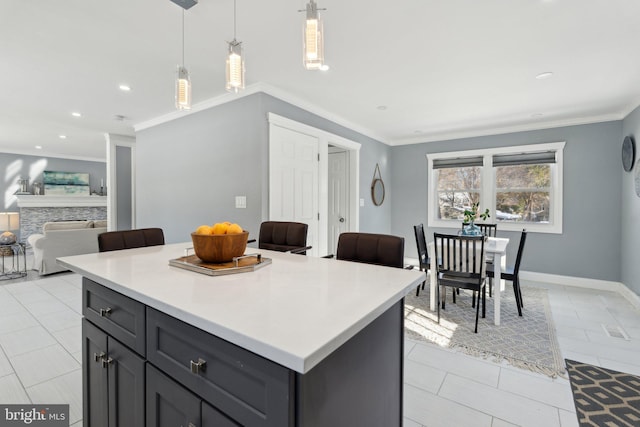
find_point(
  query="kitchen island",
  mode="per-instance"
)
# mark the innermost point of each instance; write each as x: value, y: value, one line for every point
x: 303, y: 341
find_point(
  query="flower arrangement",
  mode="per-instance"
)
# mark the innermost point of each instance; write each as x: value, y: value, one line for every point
x: 471, y: 214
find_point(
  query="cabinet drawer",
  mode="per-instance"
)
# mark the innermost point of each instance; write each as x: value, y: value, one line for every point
x: 118, y: 315
x: 248, y: 388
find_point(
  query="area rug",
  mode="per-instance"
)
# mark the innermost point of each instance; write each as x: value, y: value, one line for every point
x: 604, y: 397
x: 527, y: 342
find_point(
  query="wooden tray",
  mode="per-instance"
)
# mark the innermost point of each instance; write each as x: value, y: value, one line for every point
x: 242, y: 264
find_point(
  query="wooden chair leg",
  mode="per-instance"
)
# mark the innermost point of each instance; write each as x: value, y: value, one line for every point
x: 484, y: 302
x: 438, y: 301
x: 518, y: 295
x: 477, y: 314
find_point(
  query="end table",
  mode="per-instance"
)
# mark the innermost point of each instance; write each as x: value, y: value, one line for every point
x: 13, y: 261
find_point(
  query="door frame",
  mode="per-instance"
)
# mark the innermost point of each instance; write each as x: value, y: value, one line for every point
x: 353, y: 159
x: 113, y: 141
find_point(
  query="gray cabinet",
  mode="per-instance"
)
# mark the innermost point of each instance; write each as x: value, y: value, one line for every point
x: 113, y: 381
x: 169, y: 404
x: 250, y: 389
x: 142, y: 367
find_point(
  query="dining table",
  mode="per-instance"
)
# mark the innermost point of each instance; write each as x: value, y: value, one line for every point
x: 496, y: 246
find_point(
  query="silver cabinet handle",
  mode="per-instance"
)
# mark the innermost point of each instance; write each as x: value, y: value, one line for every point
x: 106, y: 362
x: 104, y: 312
x: 199, y: 366
x: 98, y: 357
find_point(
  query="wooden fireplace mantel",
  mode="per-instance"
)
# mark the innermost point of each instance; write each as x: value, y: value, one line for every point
x: 30, y: 201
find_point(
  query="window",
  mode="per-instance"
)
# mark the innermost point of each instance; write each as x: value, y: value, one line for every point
x: 521, y: 186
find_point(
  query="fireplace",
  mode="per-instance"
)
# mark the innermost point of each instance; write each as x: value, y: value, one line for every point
x: 36, y: 210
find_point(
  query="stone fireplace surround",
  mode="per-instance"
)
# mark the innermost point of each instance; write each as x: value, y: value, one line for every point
x: 36, y: 210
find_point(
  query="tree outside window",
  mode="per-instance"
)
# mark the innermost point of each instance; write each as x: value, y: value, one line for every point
x: 523, y: 193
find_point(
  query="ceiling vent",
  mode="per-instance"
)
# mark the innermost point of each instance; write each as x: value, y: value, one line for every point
x: 185, y: 4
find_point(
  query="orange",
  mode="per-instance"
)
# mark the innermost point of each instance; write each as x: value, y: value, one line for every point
x: 219, y: 228
x: 203, y: 229
x: 234, y: 229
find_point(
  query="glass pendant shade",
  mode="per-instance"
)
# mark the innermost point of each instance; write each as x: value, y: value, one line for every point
x: 313, y: 39
x: 183, y: 89
x: 235, y: 67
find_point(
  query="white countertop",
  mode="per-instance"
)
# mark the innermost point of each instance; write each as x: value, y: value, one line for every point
x: 295, y: 311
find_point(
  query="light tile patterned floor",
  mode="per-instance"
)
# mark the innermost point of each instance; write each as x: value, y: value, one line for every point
x: 40, y: 359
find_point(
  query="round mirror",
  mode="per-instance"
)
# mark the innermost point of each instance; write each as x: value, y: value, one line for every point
x: 377, y: 191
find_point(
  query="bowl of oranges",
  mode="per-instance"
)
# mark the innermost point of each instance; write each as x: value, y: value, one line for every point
x: 220, y: 242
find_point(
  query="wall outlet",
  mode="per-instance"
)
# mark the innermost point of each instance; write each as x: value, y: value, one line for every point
x: 241, y: 202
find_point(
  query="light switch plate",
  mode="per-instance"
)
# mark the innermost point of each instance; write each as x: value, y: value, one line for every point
x: 361, y: 202
x: 241, y: 202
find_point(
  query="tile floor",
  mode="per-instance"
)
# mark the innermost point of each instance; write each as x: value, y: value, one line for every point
x: 40, y: 343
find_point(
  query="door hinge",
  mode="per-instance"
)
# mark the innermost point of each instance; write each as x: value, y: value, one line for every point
x: 318, y: 156
x: 318, y: 216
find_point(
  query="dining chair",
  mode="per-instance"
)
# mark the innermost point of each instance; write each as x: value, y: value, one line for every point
x: 461, y: 265
x: 369, y: 248
x: 489, y: 230
x: 512, y: 273
x: 284, y: 236
x: 130, y: 239
x: 424, y: 262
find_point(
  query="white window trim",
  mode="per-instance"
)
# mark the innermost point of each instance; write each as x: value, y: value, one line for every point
x: 488, y: 187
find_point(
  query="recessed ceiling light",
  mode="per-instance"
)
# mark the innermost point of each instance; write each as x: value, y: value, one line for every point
x: 125, y: 88
x: 324, y: 67
x: 381, y: 107
x: 544, y: 75
x: 76, y: 114
x: 38, y: 147
x: 62, y: 136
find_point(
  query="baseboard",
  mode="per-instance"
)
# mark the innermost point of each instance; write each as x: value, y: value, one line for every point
x: 579, y: 282
x: 582, y: 282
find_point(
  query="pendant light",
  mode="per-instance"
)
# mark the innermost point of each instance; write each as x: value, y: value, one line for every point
x: 313, y: 57
x: 235, y: 62
x: 183, y: 83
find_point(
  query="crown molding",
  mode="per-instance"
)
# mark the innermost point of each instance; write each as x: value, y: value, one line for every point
x: 42, y: 153
x: 447, y: 135
x: 472, y: 133
x: 269, y: 90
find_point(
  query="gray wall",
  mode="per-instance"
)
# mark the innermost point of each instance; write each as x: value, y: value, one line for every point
x: 590, y: 243
x: 14, y: 166
x: 123, y: 187
x: 189, y: 170
x: 630, y: 208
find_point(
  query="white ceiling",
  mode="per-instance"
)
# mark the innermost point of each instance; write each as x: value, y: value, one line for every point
x: 442, y: 68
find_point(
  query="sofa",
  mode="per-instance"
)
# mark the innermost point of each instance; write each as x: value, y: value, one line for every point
x: 64, y: 238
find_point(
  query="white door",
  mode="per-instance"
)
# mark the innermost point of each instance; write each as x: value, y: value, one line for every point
x: 338, y: 218
x: 293, y: 180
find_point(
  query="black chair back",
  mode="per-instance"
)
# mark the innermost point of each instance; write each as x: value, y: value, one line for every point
x: 516, y: 267
x: 421, y: 244
x: 460, y: 260
x: 283, y: 236
x: 369, y: 248
x: 461, y: 265
x: 130, y: 239
x: 489, y: 230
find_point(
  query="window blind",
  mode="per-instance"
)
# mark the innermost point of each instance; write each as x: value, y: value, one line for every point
x: 458, y: 162
x: 539, y: 158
